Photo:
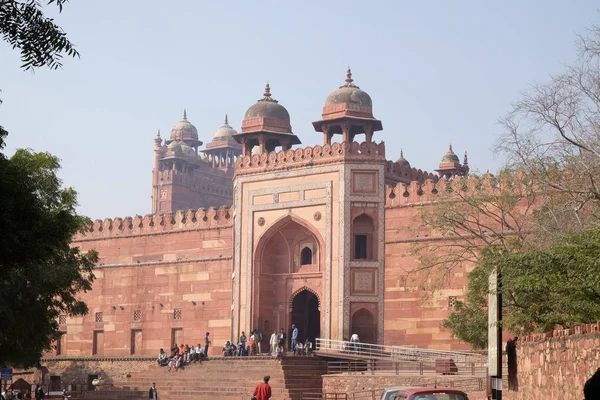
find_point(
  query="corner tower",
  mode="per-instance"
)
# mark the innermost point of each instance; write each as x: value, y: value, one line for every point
x: 182, y: 179
x: 308, y: 233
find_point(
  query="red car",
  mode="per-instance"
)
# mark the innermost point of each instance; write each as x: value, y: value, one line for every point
x: 430, y: 394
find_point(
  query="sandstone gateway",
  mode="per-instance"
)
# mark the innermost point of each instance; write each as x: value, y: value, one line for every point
x: 252, y: 233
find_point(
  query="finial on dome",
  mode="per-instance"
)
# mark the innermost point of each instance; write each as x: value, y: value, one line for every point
x: 184, y: 115
x: 401, y: 153
x: 226, y: 120
x: 465, y: 160
x: 267, y: 94
x: 450, y: 149
x: 349, y: 79
x: 158, y: 134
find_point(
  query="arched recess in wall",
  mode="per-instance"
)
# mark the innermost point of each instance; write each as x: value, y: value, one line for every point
x: 364, y: 324
x: 363, y: 232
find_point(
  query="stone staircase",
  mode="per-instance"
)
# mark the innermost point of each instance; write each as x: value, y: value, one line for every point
x: 223, y: 377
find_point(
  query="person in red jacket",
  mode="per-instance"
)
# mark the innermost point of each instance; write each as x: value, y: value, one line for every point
x: 263, y: 390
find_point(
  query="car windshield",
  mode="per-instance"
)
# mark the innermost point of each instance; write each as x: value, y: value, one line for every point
x: 438, y: 396
x: 389, y: 395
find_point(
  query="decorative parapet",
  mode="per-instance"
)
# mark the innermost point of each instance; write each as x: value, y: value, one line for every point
x: 559, y: 333
x: 204, y: 182
x: 429, y: 189
x: 310, y: 156
x: 158, y: 223
x: 395, y: 172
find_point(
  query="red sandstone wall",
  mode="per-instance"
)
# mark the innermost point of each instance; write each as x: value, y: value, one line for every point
x: 413, y: 316
x: 557, y: 366
x: 156, y: 265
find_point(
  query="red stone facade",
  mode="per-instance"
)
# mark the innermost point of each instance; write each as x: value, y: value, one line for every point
x: 318, y: 236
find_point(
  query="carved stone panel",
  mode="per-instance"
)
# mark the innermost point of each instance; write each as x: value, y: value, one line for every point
x: 364, y: 182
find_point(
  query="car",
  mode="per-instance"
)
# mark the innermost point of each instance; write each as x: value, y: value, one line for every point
x: 425, y: 393
x: 391, y: 392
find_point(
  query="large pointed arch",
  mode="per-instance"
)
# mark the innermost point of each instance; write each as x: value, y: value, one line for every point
x: 302, y: 289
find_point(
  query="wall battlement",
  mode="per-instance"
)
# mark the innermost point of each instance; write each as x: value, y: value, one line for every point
x: 310, y: 156
x: 562, y: 333
x: 429, y: 190
x: 397, y: 172
x: 157, y: 223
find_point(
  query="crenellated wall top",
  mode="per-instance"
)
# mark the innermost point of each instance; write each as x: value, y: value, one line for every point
x: 310, y: 156
x: 394, y: 170
x: 429, y: 190
x: 561, y: 333
x: 158, y: 223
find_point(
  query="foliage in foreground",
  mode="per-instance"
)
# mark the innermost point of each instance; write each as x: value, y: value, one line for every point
x: 40, y: 273
x: 541, y: 289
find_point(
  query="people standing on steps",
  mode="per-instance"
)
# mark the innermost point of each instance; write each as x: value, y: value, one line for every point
x: 294, y: 337
x: 206, y: 343
x: 273, y: 344
x: 263, y: 390
x: 281, y: 338
x: 153, y: 393
x: 258, y: 338
x: 242, y: 343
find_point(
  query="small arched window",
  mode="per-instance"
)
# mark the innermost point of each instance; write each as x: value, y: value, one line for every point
x: 363, y: 229
x: 306, y: 256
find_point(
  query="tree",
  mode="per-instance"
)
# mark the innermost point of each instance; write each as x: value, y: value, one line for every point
x: 40, y: 41
x: 40, y: 273
x: 541, y: 289
x: 553, y: 133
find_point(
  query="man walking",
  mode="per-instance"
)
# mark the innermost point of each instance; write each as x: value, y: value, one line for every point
x: 152, y: 393
x: 263, y: 390
x: 206, y: 344
x: 294, y: 337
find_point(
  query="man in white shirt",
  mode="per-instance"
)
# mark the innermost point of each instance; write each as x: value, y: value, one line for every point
x: 355, y: 340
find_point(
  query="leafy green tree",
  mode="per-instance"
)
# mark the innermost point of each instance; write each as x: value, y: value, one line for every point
x: 41, y: 274
x: 541, y: 289
x: 40, y: 41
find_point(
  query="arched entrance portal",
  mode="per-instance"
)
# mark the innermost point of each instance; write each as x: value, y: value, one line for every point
x: 363, y: 324
x: 306, y: 316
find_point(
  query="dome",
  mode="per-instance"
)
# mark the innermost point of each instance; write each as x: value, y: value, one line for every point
x: 403, y: 161
x: 187, y: 150
x: 267, y: 107
x: 184, y: 130
x: 349, y: 93
x: 450, y: 157
x: 174, y: 146
x: 224, y: 132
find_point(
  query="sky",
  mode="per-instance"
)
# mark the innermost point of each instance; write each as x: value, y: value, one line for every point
x: 439, y: 72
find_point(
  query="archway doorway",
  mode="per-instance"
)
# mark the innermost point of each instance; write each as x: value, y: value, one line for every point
x: 306, y: 316
x: 363, y: 324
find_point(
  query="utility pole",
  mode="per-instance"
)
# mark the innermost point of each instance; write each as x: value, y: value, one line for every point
x: 495, y: 334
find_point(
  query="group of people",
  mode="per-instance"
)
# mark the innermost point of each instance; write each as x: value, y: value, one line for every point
x: 246, y: 346
x: 9, y: 394
x: 250, y: 346
x: 184, y: 354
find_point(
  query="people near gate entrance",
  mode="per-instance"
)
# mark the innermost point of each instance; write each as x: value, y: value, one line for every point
x: 263, y: 390
x: 153, y: 393
x: 206, y: 343
x: 242, y: 343
x: 281, y: 338
x: 299, y: 349
x: 174, y: 351
x: 307, y: 347
x: 39, y: 393
x: 273, y: 344
x: 258, y: 338
x: 65, y: 395
x: 355, y: 342
x: 163, y: 359
x: 294, y: 337
x: 227, y: 349
x: 252, y: 345
x: 175, y: 362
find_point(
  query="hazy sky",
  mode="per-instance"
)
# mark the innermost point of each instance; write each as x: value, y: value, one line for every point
x: 438, y: 72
